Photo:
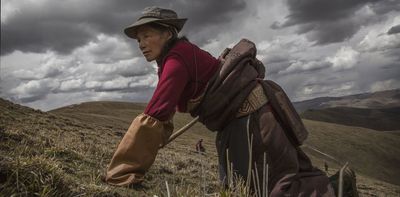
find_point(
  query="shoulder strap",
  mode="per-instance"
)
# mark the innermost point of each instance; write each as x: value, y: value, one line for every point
x: 286, y: 114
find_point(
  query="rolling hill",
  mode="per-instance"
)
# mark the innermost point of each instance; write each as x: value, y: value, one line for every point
x: 66, y: 150
x: 386, y: 119
x: 109, y: 114
x: 382, y: 99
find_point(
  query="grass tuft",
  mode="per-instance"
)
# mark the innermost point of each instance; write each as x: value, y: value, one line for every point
x: 37, y: 175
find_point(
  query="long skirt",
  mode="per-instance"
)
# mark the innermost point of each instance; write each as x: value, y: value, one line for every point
x: 290, y: 171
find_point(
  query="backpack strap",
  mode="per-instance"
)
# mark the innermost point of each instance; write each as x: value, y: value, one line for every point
x: 286, y: 114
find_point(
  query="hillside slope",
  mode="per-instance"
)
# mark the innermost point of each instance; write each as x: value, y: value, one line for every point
x: 106, y: 113
x: 354, y: 144
x: 55, y: 155
x: 369, y: 152
x: 47, y: 154
x: 117, y: 115
x: 386, y: 119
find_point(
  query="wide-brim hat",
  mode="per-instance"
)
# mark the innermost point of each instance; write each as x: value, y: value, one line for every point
x: 156, y: 15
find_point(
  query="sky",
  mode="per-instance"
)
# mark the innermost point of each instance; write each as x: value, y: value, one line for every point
x: 58, y: 53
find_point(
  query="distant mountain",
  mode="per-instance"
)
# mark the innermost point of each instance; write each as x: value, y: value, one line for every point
x: 383, y: 99
x: 386, y: 119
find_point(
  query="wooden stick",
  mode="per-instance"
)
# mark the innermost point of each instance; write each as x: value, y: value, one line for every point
x: 181, y: 131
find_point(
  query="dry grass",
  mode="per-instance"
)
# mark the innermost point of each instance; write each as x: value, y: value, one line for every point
x: 46, y: 154
x: 50, y: 154
x: 369, y: 152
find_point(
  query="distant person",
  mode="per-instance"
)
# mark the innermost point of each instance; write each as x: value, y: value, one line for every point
x: 230, y: 96
x: 326, y: 166
x: 199, y: 146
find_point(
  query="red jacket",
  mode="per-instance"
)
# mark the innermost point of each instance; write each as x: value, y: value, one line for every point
x: 183, y: 75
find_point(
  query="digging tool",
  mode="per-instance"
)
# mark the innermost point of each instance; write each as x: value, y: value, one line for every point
x: 181, y: 131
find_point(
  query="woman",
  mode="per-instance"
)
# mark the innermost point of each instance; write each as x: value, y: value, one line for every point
x: 156, y: 32
x: 228, y: 95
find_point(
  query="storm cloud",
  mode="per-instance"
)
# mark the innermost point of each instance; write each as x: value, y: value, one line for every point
x: 394, y: 30
x: 55, y: 53
x: 62, y: 26
x: 326, y: 21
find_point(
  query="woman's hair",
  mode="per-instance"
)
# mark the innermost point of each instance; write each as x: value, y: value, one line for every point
x: 171, y: 42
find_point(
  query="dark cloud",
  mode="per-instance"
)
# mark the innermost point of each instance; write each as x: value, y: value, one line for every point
x: 335, y: 31
x: 27, y: 37
x: 64, y: 25
x: 275, y: 25
x: 395, y: 54
x: 392, y: 66
x: 394, y: 30
x: 302, y: 12
x: 279, y: 65
x: 385, y: 6
x: 274, y: 68
x: 29, y: 99
x: 50, y: 26
x: 327, y: 22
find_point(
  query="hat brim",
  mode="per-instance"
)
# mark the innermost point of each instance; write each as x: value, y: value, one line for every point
x: 131, y: 30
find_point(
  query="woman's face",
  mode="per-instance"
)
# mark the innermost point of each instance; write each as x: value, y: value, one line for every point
x: 151, y: 41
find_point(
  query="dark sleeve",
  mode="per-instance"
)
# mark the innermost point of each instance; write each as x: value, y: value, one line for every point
x: 171, y: 84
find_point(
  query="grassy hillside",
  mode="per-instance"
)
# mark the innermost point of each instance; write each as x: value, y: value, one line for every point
x: 369, y: 152
x: 118, y: 115
x: 386, y: 119
x: 51, y: 154
x: 354, y: 144
x: 109, y: 114
x: 382, y: 99
x: 46, y: 154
